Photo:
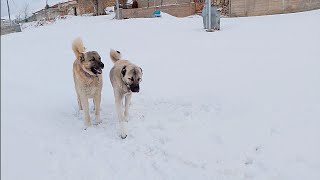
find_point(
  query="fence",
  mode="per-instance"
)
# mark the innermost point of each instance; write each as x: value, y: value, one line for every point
x: 267, y: 7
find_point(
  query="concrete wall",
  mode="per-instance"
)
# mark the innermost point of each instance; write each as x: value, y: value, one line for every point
x: 6, y: 29
x: 144, y: 3
x: 178, y: 10
x: 267, y: 7
x: 51, y: 13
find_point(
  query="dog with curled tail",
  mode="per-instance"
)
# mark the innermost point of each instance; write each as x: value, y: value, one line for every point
x: 87, y: 75
x: 125, y: 78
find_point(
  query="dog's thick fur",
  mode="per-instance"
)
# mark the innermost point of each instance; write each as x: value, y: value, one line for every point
x: 125, y: 78
x: 87, y: 69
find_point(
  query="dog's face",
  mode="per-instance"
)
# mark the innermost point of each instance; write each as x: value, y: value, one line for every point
x: 91, y: 62
x: 132, y: 76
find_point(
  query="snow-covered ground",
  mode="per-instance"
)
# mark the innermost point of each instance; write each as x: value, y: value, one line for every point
x: 241, y: 103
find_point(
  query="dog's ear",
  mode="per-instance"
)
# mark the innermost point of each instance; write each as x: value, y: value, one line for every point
x: 123, y: 71
x: 81, y: 57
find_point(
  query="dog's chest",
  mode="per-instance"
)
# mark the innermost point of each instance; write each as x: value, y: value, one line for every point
x: 92, y: 87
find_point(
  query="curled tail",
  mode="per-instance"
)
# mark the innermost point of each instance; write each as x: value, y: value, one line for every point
x: 115, y: 55
x: 77, y: 47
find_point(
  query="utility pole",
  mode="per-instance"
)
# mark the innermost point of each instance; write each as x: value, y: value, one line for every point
x: 209, y: 18
x: 45, y: 11
x: 9, y: 12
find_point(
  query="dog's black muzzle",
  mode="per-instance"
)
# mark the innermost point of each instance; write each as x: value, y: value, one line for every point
x: 101, y: 65
x: 135, y: 88
x: 97, y: 69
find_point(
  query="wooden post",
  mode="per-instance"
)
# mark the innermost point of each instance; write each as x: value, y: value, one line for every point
x: 118, y: 11
x: 97, y: 4
x: 230, y: 11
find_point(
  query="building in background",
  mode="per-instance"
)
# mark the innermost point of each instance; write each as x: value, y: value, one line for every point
x: 95, y: 7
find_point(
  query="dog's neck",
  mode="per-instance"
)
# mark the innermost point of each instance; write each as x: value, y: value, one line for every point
x: 124, y: 82
x: 86, y: 73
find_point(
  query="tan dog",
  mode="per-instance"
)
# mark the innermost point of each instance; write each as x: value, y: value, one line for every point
x: 125, y: 78
x: 87, y: 69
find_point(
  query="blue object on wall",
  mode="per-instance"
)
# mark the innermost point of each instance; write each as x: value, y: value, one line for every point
x: 157, y: 13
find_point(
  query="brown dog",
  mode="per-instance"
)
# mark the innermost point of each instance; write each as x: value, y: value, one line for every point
x: 87, y: 69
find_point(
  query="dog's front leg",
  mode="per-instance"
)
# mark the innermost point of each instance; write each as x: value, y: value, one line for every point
x: 118, y: 103
x: 97, y: 101
x: 85, y: 105
x: 79, y: 102
x: 127, y: 104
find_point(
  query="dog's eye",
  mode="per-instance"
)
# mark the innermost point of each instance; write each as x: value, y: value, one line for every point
x: 131, y: 79
x: 139, y: 79
x: 91, y: 59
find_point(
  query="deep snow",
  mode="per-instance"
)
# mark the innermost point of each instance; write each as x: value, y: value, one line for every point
x: 241, y: 103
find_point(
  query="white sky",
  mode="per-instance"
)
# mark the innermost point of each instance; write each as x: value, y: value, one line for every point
x: 16, y: 6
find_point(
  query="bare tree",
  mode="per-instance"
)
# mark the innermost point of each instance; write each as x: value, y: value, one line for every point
x: 18, y: 17
x: 25, y: 10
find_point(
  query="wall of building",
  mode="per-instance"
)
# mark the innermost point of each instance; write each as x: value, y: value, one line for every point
x: 68, y: 8
x: 89, y: 6
x: 267, y: 7
x: 178, y: 10
x: 50, y: 13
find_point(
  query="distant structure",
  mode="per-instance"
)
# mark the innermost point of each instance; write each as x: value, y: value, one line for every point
x: 268, y: 7
x: 51, y: 12
x: 95, y: 7
x: 146, y: 8
x: 178, y: 8
x: 7, y: 27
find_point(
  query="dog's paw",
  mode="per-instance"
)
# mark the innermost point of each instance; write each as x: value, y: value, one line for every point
x: 123, y: 136
x: 87, y: 125
x: 97, y: 123
x: 123, y: 129
x: 126, y: 119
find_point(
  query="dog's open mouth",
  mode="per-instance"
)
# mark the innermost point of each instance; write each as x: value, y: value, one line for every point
x: 96, y: 70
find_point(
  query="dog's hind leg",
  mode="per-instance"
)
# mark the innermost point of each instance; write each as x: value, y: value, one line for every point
x: 127, y: 104
x: 85, y: 105
x: 97, y: 101
x: 118, y: 102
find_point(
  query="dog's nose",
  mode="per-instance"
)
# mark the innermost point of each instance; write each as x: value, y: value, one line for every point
x: 101, y: 65
x: 135, y: 88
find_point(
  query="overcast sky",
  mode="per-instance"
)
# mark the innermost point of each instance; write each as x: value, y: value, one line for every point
x: 17, y: 6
